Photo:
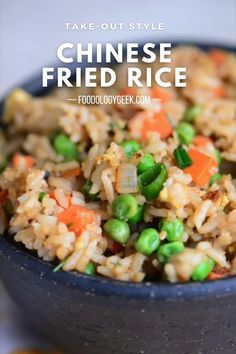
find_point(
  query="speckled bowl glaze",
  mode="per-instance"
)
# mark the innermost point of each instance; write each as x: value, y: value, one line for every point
x: 93, y: 315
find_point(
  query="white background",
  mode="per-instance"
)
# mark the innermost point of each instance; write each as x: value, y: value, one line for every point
x: 31, y: 31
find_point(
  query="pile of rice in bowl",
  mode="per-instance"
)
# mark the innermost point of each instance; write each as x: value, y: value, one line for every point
x: 131, y: 192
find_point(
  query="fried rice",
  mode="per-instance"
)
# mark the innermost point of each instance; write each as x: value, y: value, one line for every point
x: 65, y: 166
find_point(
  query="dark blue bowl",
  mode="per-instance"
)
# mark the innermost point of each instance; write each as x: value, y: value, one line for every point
x: 94, y: 315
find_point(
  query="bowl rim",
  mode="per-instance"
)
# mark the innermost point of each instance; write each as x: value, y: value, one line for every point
x: 100, y: 285
x: 21, y: 258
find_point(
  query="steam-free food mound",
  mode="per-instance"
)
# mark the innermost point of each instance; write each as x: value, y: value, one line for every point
x: 134, y: 192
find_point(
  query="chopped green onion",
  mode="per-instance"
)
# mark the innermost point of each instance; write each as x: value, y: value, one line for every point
x: 192, y: 113
x: 41, y: 196
x: 86, y: 191
x: 118, y: 230
x: 186, y: 133
x: 202, y: 271
x: 146, y: 162
x: 130, y: 147
x: 182, y: 158
x: 147, y: 242
x: 124, y: 207
x: 65, y: 147
x: 3, y: 165
x: 9, y: 208
x: 138, y: 216
x: 90, y: 268
x: 151, y: 181
x: 218, y: 156
x: 214, y: 178
x: 59, y: 266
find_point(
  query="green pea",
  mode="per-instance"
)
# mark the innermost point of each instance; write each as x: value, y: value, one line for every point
x: 218, y: 156
x: 65, y: 147
x: 174, y: 229
x: 186, y: 133
x: 138, y: 216
x: 202, y: 270
x: 169, y: 249
x: 130, y: 147
x: 41, y: 196
x: 192, y: 113
x: 147, y: 242
x: 117, y: 230
x: 214, y: 178
x: 90, y: 268
x: 146, y: 162
x: 86, y: 191
x: 151, y: 181
x: 124, y: 207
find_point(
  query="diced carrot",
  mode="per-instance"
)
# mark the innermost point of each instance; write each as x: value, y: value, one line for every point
x: 159, y: 123
x: 145, y: 122
x: 3, y: 196
x: 219, y: 92
x: 77, y: 217
x: 218, y: 56
x: 203, y: 167
x: 201, y: 140
x: 51, y: 194
x: 74, y: 172
x: 215, y: 276
x: 129, y: 91
x: 23, y: 161
x: 163, y: 95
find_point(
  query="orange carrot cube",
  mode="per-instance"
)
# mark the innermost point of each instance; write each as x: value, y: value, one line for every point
x: 203, y: 167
